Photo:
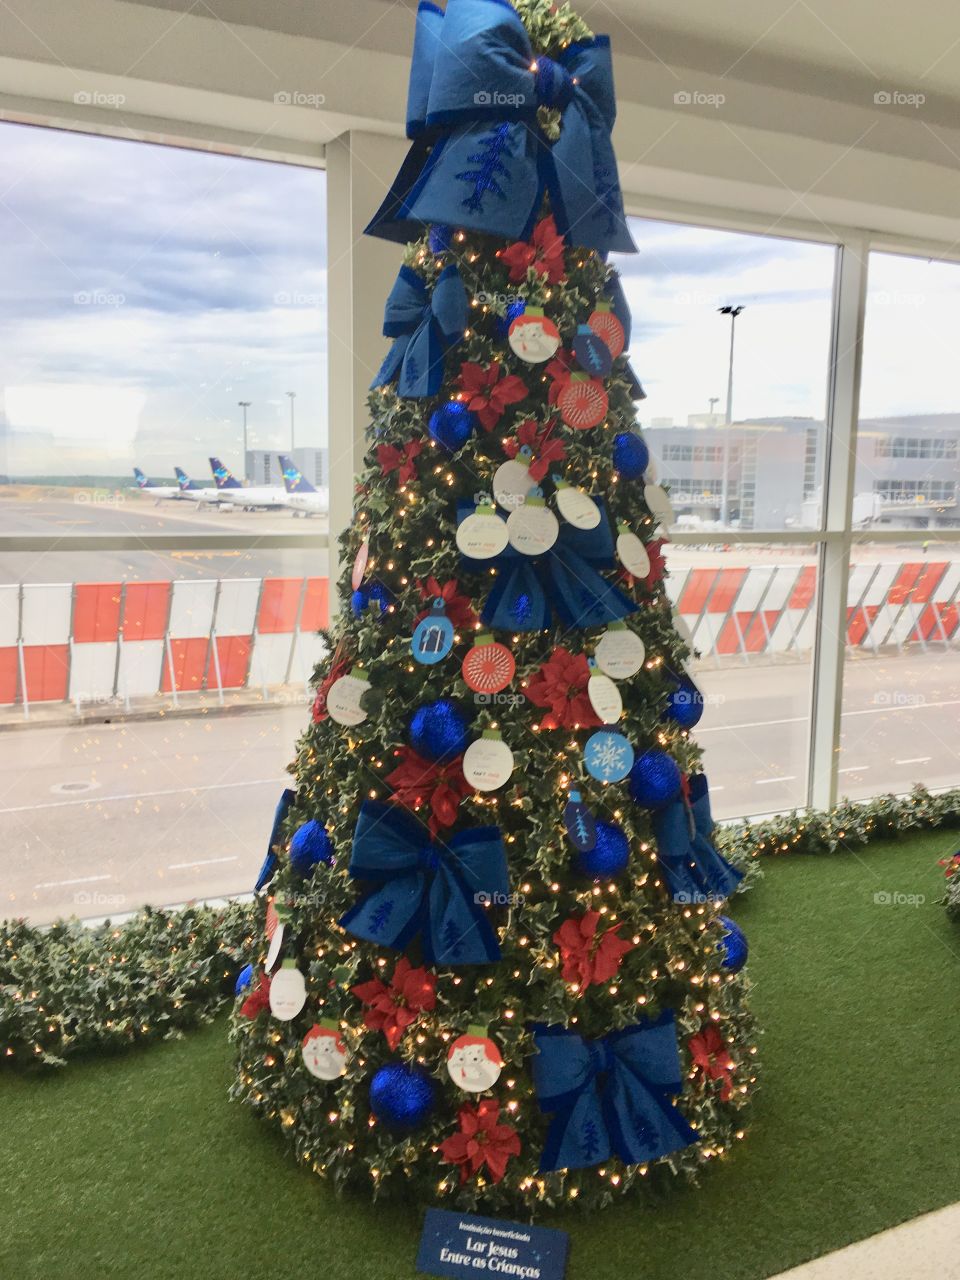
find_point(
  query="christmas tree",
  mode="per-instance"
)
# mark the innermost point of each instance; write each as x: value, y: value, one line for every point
x: 494, y: 968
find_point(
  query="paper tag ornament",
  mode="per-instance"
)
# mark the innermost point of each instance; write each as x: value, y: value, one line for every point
x: 288, y: 991
x: 324, y: 1052
x: 433, y: 635
x: 489, y: 666
x: 360, y: 564
x: 591, y: 352
x: 511, y: 480
x: 576, y: 507
x: 620, y: 652
x: 276, y: 944
x: 488, y: 762
x: 533, y: 528
x: 344, y: 695
x: 606, y: 326
x: 474, y: 1062
x: 631, y: 552
x: 681, y: 628
x: 482, y: 535
x: 608, y: 756
x: 583, y: 402
x: 533, y: 337
x: 659, y: 503
x: 604, y: 695
x: 651, y: 473
x: 580, y: 823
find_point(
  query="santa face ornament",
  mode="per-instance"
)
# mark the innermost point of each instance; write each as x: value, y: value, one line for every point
x: 474, y: 1063
x: 324, y: 1052
x: 533, y: 337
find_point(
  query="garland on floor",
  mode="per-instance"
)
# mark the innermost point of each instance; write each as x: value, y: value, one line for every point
x: 70, y: 989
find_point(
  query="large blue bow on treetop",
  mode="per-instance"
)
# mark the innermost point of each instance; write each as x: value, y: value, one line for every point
x: 695, y: 871
x: 610, y: 1096
x: 430, y: 888
x: 269, y: 866
x: 563, y: 582
x: 424, y: 327
x: 490, y: 162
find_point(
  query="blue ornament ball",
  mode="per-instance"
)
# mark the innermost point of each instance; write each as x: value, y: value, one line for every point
x: 631, y: 457
x: 439, y: 237
x: 452, y: 425
x: 733, y: 944
x: 609, y: 856
x: 367, y: 593
x: 402, y: 1096
x: 244, y: 978
x: 685, y: 704
x: 654, y: 779
x: 439, y: 730
x: 310, y: 845
x: 514, y: 309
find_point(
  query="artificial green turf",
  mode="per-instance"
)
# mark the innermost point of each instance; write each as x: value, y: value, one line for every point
x: 138, y: 1166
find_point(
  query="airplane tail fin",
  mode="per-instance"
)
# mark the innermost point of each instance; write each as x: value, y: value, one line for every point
x: 183, y: 480
x: 140, y: 478
x: 294, y: 481
x: 222, y: 476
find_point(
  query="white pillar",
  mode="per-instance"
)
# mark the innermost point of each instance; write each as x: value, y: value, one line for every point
x: 360, y: 272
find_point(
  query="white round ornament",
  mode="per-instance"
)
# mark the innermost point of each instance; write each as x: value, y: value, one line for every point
x: 482, y: 535
x: 533, y: 528
x: 620, y: 652
x: 576, y: 507
x: 533, y: 337
x: 324, y: 1052
x: 604, y: 696
x: 681, y: 628
x: 360, y: 564
x: 651, y: 474
x: 276, y: 946
x: 474, y: 1062
x: 288, y: 991
x: 488, y: 762
x: 511, y: 480
x: 343, y: 697
x: 659, y: 503
x: 631, y: 552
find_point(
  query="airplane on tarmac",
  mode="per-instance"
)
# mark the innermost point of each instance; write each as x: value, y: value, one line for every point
x: 184, y: 487
x: 302, y: 498
x: 195, y: 492
x: 232, y: 493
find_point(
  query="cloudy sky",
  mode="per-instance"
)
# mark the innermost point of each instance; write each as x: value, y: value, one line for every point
x: 146, y: 290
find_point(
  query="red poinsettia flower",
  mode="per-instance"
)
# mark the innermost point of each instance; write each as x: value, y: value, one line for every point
x: 952, y: 865
x: 482, y: 1140
x: 709, y: 1051
x: 258, y: 999
x: 546, y: 448
x: 392, y: 1009
x: 543, y: 251
x: 588, y: 957
x: 457, y: 606
x: 323, y: 688
x: 558, y: 371
x: 487, y: 394
x: 561, y: 687
x: 400, y: 460
x: 417, y: 782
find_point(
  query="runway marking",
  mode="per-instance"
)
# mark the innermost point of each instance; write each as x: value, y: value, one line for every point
x: 914, y: 760
x: 787, y: 777
x: 143, y: 795
x: 205, y: 862
x: 854, y: 768
x: 59, y: 884
x: 867, y: 711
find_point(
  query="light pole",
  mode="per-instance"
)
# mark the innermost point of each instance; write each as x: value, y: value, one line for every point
x: 293, y: 396
x: 732, y: 312
x: 244, y: 405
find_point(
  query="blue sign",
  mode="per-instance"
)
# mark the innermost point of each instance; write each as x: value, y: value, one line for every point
x: 464, y: 1244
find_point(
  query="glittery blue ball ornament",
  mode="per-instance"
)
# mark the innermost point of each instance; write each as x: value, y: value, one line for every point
x: 368, y: 593
x: 244, y: 978
x: 310, y: 845
x: 608, y: 857
x: 452, y: 425
x: 733, y: 944
x: 654, y: 779
x: 631, y: 457
x: 685, y: 704
x: 439, y: 237
x: 439, y: 730
x: 402, y: 1096
x: 514, y: 309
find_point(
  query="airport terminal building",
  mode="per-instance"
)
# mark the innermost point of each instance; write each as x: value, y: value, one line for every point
x: 766, y: 473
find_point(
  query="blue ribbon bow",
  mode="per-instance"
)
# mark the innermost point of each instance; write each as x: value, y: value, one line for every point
x: 428, y: 888
x: 424, y: 327
x: 564, y: 581
x: 695, y: 871
x: 490, y: 163
x: 269, y: 866
x: 610, y: 1096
